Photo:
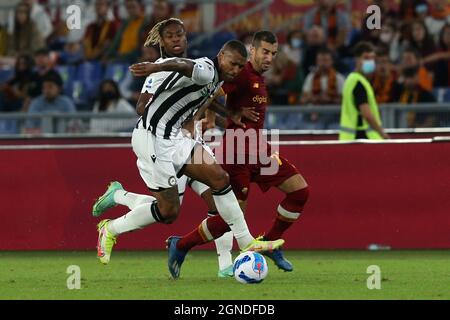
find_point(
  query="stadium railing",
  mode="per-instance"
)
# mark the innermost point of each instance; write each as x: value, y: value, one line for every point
x: 311, y: 118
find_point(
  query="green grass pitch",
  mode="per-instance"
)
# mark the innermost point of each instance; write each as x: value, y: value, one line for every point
x: 144, y: 275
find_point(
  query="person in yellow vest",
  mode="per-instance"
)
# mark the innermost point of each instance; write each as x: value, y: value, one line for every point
x: 360, y: 116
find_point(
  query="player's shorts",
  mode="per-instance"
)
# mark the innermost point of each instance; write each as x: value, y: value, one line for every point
x: 161, y: 161
x: 241, y: 175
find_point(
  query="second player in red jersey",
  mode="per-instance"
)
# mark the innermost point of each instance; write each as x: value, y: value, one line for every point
x: 248, y: 90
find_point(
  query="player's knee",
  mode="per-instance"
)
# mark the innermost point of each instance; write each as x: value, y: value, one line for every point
x: 220, y: 180
x: 296, y: 201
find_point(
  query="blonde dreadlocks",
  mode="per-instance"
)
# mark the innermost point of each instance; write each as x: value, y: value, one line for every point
x: 155, y: 35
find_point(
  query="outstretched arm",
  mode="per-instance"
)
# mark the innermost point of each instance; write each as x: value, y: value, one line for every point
x: 197, y: 70
x: 183, y: 66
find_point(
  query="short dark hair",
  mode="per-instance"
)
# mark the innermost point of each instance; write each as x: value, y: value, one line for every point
x: 264, y: 35
x: 363, y: 47
x: 325, y: 50
x: 382, y: 51
x: 292, y: 33
x: 42, y: 52
x: 236, y: 45
x: 414, y: 51
x: 54, y: 77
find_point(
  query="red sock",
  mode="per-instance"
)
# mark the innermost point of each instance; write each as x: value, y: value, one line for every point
x: 290, y: 207
x: 280, y: 225
x: 216, y: 227
x: 190, y: 240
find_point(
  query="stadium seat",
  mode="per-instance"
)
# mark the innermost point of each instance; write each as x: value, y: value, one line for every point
x: 68, y: 75
x: 6, y: 74
x: 116, y: 72
x: 9, y: 126
x: 90, y: 74
x: 442, y: 94
x: 210, y: 46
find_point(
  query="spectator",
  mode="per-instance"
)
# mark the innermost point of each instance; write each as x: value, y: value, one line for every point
x: 442, y: 67
x: 336, y: 23
x: 14, y: 92
x: 293, y: 47
x: 410, y: 91
x: 110, y: 101
x: 322, y: 86
x: 43, y: 65
x: 315, y: 40
x: 131, y: 86
x: 439, y: 16
x: 279, y: 79
x: 384, y: 78
x: 247, y: 39
x: 411, y: 58
x: 388, y: 12
x: 62, y: 34
x: 50, y: 101
x: 410, y: 9
x: 72, y: 53
x: 38, y: 16
x: 126, y: 46
x: 390, y: 38
x: 26, y: 38
x: 100, y: 33
x: 420, y: 40
x: 161, y: 10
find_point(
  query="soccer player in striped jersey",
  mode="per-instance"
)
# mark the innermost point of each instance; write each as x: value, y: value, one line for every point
x: 248, y: 90
x: 178, y: 88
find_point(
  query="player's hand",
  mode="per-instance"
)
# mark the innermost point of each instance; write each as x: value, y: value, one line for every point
x: 143, y: 69
x: 237, y: 119
x: 250, y: 114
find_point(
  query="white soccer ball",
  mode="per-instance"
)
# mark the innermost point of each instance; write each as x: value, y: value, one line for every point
x: 250, y: 267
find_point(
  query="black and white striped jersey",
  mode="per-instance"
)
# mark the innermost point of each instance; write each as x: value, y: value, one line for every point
x: 176, y: 98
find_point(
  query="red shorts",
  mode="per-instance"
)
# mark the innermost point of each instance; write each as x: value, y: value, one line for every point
x: 241, y: 175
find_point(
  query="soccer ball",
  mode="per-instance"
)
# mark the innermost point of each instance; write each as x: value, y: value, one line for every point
x: 250, y: 267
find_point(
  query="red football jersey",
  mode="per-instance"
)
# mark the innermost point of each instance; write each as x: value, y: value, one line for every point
x: 247, y: 90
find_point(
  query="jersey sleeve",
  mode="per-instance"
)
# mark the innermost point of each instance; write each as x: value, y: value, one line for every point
x: 203, y: 72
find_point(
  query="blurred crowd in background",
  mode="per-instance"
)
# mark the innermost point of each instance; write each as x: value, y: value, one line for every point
x: 44, y: 67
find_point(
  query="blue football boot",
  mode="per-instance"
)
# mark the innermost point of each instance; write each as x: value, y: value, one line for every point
x: 280, y: 261
x: 176, y: 257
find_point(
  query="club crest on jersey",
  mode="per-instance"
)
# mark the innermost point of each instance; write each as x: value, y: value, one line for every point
x: 256, y: 85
